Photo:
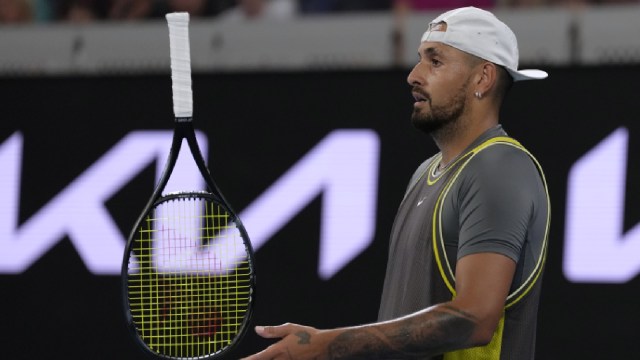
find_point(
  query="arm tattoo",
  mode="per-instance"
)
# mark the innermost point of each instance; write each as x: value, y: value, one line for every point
x: 429, y: 333
x: 305, y: 337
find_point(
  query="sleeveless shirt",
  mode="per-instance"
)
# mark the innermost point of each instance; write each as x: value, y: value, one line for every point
x: 492, y: 198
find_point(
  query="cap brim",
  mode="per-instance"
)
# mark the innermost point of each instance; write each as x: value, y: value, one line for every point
x: 529, y: 74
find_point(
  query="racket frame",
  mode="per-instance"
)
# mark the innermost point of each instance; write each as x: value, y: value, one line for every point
x: 183, y: 130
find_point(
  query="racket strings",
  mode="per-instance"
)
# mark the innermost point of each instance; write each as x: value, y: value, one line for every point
x: 189, y: 278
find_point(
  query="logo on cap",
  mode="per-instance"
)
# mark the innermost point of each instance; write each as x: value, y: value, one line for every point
x: 441, y: 26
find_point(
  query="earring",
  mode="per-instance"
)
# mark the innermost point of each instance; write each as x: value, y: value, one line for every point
x: 478, y: 94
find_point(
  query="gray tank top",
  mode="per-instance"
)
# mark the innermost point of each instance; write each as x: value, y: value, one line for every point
x: 492, y: 198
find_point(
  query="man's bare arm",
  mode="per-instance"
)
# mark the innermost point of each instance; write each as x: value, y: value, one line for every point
x: 433, y: 331
x: 482, y: 285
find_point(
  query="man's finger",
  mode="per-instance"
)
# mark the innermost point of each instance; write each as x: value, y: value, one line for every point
x: 271, y: 332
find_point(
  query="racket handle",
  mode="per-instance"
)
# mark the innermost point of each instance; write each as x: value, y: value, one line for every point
x: 180, y: 64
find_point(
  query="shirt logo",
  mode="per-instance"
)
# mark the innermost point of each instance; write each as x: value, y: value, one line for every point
x: 421, y: 201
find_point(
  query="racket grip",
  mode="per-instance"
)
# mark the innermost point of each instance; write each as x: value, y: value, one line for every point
x: 180, y: 64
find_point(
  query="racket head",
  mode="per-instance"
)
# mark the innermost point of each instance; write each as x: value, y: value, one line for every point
x: 188, y: 277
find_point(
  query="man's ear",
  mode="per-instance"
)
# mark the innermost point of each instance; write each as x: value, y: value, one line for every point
x: 488, y: 77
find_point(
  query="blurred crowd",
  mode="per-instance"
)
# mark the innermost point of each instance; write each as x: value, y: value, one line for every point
x: 79, y: 11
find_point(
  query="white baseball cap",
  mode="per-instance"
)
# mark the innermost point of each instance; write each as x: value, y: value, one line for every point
x: 480, y: 33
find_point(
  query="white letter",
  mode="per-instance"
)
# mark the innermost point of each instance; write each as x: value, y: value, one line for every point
x: 344, y: 168
x: 78, y: 211
x: 596, y: 248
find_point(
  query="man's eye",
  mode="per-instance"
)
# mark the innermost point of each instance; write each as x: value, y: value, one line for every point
x: 435, y: 62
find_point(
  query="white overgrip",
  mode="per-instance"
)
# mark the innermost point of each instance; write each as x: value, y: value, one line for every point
x: 180, y: 64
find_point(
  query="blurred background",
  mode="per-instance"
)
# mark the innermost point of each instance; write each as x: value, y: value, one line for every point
x: 303, y: 100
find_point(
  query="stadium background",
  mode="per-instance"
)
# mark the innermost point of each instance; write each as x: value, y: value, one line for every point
x: 260, y: 122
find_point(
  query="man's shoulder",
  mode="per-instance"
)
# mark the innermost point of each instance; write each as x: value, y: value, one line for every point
x: 502, y: 154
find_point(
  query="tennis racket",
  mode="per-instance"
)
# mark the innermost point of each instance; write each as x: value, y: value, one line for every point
x: 188, y: 275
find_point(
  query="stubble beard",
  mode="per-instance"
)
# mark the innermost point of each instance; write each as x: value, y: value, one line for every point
x: 442, y: 121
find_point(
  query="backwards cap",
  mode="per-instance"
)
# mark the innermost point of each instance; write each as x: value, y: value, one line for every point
x: 480, y: 33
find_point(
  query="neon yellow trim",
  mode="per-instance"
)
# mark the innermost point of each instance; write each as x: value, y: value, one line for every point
x: 450, y: 166
x: 437, y: 218
x: 437, y: 214
x: 430, y: 170
x: 528, y: 284
x: 490, y: 351
x: 539, y: 266
x: 436, y: 253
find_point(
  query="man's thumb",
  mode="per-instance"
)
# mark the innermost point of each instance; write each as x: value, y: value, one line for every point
x: 270, y: 332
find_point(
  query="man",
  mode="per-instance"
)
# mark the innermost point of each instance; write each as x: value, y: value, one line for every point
x: 469, y: 241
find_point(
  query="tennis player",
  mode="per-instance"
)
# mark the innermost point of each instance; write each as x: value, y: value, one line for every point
x: 468, y: 245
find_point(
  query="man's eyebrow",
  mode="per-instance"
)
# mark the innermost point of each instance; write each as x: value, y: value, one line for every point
x: 432, y: 51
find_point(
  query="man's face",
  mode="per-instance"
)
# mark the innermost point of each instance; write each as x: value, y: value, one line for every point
x: 440, y: 86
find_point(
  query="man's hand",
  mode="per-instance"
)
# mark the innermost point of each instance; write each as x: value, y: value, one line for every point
x: 298, y: 343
